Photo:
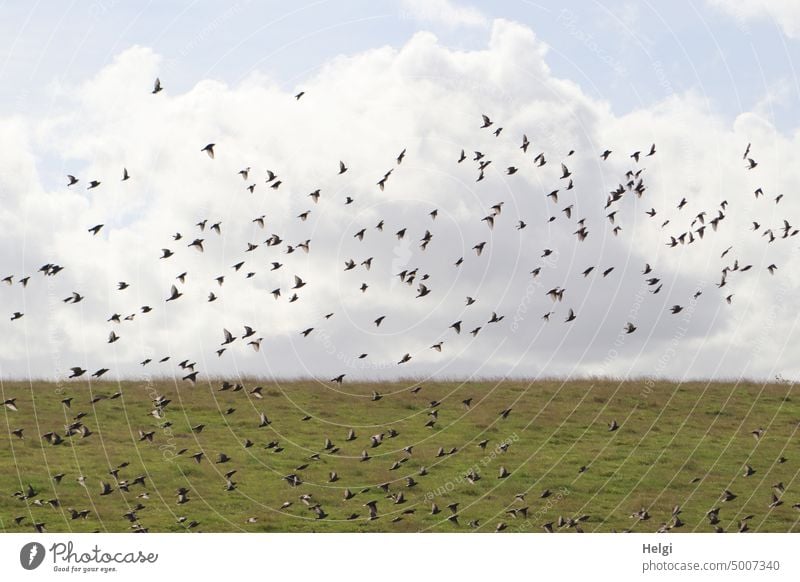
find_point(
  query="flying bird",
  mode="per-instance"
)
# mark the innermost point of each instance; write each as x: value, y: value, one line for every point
x: 209, y: 149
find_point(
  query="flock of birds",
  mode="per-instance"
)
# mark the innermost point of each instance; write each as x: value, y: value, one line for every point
x: 695, y: 228
x: 197, y: 237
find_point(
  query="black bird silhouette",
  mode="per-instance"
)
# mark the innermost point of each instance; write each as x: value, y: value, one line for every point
x: 209, y: 149
x: 174, y: 293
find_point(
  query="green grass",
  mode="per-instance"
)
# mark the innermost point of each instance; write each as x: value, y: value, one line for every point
x: 669, y: 435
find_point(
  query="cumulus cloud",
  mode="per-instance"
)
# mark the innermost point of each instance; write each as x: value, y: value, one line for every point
x: 365, y: 109
x: 785, y: 13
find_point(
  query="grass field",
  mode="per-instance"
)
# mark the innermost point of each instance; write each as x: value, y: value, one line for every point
x: 678, y: 444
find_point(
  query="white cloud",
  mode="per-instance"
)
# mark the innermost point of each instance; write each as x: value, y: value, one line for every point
x: 445, y: 12
x: 365, y: 109
x: 785, y: 13
x: 777, y: 96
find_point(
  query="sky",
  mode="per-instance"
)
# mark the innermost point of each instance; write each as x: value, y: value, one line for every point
x: 700, y: 80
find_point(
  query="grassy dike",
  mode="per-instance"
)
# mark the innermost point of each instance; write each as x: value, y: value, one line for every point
x: 677, y: 444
